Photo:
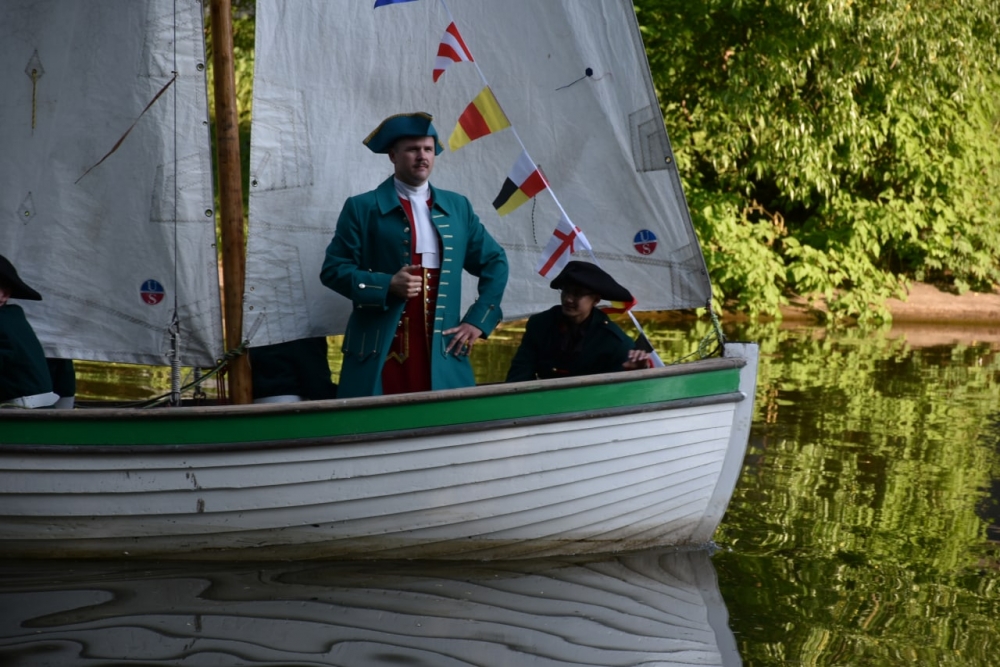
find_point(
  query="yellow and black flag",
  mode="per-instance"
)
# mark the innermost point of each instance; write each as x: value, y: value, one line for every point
x: 524, y: 181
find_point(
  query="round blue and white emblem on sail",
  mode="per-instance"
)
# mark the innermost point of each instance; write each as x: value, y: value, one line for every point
x: 644, y: 242
x: 152, y: 292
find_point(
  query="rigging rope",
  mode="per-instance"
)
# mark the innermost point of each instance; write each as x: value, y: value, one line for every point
x: 200, y: 378
x: 711, y: 344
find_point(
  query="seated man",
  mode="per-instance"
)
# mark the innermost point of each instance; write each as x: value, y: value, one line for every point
x: 575, y: 338
x: 24, y: 375
x: 292, y: 371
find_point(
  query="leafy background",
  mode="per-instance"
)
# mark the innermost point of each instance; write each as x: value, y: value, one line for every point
x: 834, y: 149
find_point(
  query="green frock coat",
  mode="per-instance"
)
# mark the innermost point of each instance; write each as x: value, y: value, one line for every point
x: 372, y: 243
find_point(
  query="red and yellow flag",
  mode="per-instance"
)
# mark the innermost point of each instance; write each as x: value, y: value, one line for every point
x: 620, y: 306
x: 483, y: 116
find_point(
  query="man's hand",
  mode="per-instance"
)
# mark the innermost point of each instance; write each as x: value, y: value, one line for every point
x: 407, y: 282
x: 466, y: 336
x: 636, y: 359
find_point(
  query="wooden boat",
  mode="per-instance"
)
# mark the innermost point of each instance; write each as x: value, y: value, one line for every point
x: 656, y: 608
x: 577, y: 465
x: 584, y: 465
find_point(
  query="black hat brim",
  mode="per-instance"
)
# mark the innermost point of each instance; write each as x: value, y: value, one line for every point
x: 591, y: 277
x: 18, y: 288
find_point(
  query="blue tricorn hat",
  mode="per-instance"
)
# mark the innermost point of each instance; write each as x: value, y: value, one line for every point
x: 417, y: 124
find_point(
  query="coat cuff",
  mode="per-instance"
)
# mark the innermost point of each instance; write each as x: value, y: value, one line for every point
x: 370, y: 290
x: 484, y: 316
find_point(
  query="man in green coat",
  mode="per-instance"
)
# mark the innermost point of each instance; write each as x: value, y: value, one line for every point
x: 398, y: 254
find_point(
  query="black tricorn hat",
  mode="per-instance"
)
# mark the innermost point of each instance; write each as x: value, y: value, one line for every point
x: 592, y: 277
x: 9, y: 277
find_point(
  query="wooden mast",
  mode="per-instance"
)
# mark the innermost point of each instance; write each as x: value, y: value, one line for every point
x: 227, y: 141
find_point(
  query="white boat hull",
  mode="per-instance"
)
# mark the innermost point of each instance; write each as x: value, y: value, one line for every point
x: 570, y: 484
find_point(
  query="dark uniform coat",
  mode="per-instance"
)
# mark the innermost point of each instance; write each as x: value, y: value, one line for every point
x: 23, y: 370
x: 371, y: 244
x: 553, y: 347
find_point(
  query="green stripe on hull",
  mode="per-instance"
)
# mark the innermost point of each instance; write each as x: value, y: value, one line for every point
x: 189, y: 426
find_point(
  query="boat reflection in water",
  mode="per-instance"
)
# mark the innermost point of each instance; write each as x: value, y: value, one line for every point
x: 647, y: 608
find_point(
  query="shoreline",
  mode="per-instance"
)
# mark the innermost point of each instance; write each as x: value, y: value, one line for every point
x: 928, y: 317
x: 926, y: 304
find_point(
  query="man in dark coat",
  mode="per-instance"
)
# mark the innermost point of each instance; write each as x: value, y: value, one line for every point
x: 24, y: 373
x: 575, y: 338
x: 398, y: 254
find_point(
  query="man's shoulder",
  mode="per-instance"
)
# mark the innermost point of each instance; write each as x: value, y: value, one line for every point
x: 369, y: 197
x: 441, y: 192
x: 384, y: 186
x: 449, y: 198
x: 384, y: 197
x: 12, y: 312
x: 13, y: 323
x: 546, y: 317
x: 608, y: 326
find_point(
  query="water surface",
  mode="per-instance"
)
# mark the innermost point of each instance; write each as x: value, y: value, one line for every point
x: 863, y: 527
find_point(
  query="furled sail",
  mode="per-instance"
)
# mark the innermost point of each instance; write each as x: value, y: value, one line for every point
x: 573, y: 81
x: 113, y: 226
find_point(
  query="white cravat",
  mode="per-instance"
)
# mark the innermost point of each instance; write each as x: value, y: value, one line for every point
x: 427, y: 238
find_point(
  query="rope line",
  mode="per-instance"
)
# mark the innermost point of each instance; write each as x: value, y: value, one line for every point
x: 200, y: 379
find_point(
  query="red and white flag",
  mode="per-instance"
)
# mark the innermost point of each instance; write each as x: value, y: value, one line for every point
x: 451, y: 50
x: 566, y: 239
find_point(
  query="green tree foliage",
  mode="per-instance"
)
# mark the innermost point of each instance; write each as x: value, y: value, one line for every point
x: 834, y: 148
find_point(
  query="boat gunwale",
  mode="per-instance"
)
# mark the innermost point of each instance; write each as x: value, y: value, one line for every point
x: 346, y: 404
x: 382, y: 436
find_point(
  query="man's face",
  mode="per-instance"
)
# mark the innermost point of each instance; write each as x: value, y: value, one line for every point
x: 414, y: 159
x: 577, y: 302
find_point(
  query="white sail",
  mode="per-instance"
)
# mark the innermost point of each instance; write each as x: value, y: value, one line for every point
x: 99, y: 239
x: 328, y: 71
